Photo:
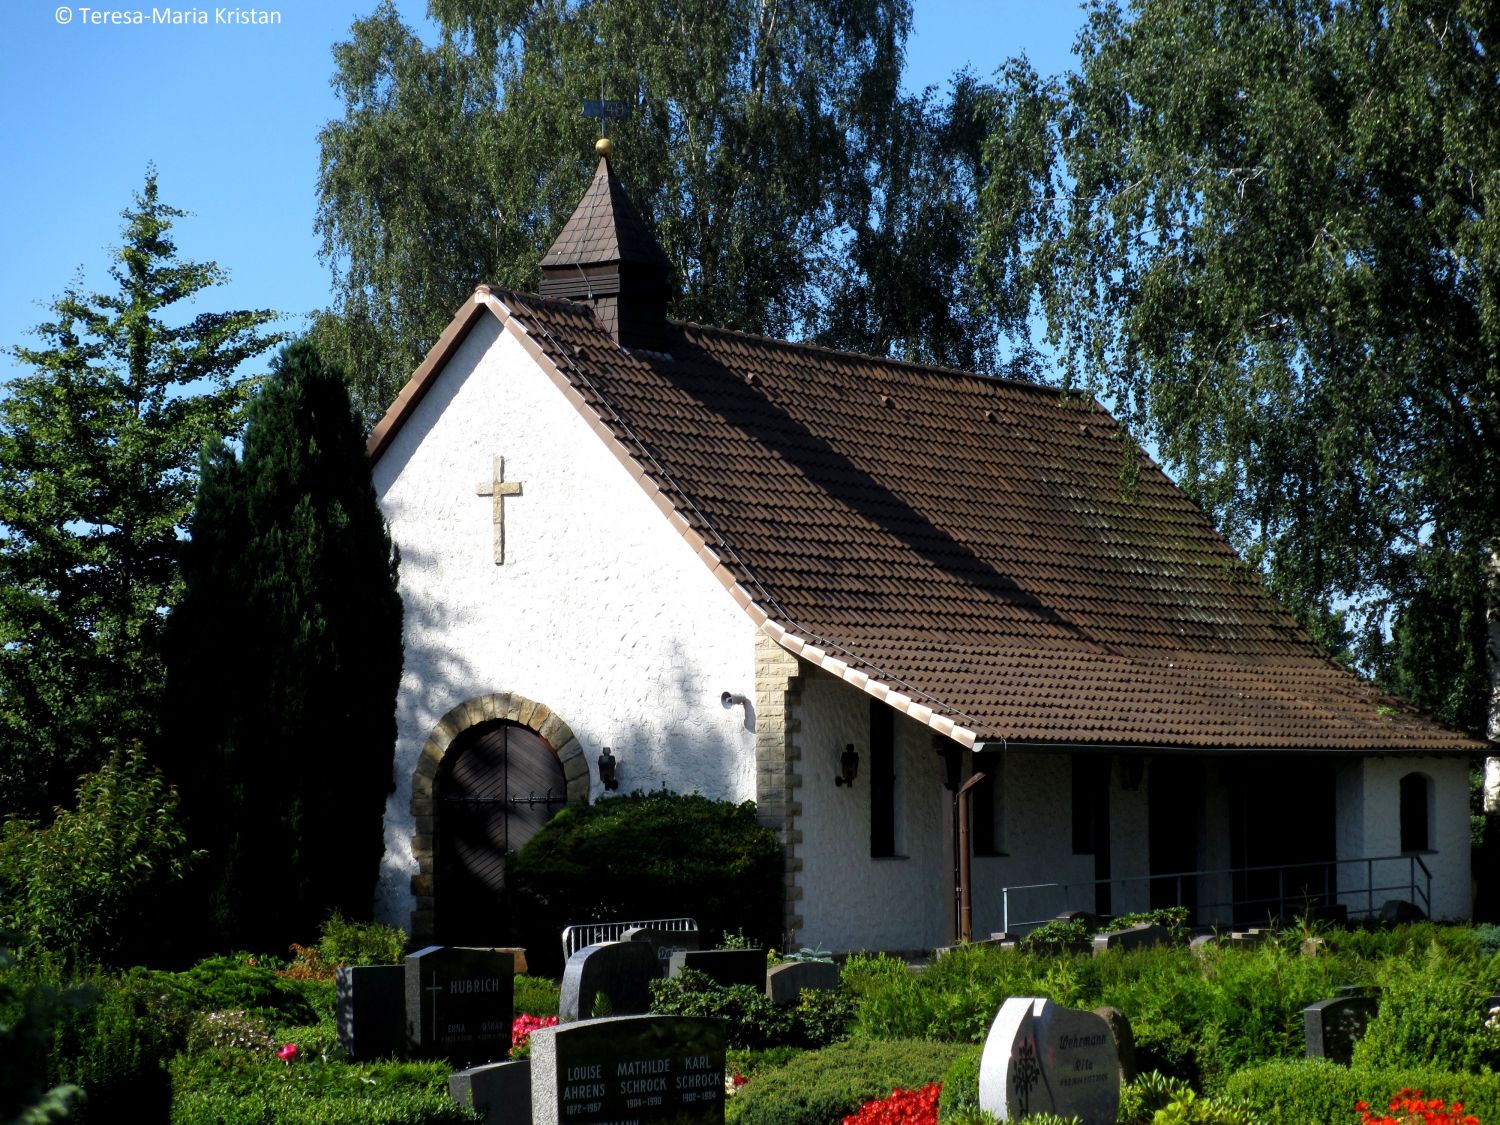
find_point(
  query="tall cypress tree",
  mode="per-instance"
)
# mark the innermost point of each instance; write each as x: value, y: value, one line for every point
x: 286, y: 654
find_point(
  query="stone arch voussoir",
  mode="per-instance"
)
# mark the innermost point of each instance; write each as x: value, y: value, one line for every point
x: 502, y: 705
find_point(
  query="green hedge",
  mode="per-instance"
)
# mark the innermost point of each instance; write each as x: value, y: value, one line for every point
x: 216, y: 1088
x: 647, y: 855
x: 820, y: 1087
x: 1317, y: 1092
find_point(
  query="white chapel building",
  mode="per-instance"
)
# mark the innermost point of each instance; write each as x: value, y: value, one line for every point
x: 840, y: 587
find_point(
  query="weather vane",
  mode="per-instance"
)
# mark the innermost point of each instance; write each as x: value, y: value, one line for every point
x: 604, y: 110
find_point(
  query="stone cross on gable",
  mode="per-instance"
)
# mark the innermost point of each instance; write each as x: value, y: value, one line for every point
x: 498, y: 488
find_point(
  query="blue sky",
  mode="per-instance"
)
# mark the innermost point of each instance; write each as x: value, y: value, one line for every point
x: 230, y: 115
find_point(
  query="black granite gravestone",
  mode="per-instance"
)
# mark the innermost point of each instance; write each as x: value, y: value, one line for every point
x: 727, y: 966
x: 1334, y: 1026
x: 459, y: 1003
x: 637, y: 1069
x: 500, y: 1091
x: 621, y: 970
x: 370, y: 1001
x: 785, y: 982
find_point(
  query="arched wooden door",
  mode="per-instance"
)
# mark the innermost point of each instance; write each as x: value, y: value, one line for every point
x: 498, y: 784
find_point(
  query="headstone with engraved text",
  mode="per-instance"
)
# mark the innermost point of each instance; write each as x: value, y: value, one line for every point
x: 629, y: 1069
x: 458, y: 1003
x: 1042, y: 1058
x: 665, y: 942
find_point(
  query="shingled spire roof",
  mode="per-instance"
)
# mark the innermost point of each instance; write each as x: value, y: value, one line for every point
x: 605, y: 227
x: 607, y: 257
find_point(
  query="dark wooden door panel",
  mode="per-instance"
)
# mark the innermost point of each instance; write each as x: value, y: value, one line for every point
x: 499, y: 784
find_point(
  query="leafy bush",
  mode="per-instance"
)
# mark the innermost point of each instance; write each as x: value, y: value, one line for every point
x: 755, y: 1022
x: 537, y: 996
x: 818, y: 1087
x: 1059, y: 931
x: 1318, y: 1092
x: 1488, y: 935
x: 81, y: 886
x: 29, y: 1012
x: 643, y: 856
x: 115, y: 1048
x: 239, y: 983
x: 361, y: 943
x: 1430, y: 1015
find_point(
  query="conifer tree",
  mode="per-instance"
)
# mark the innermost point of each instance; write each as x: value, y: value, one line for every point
x: 286, y: 654
x: 98, y: 443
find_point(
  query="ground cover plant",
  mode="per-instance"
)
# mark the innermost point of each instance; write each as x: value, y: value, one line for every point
x: 247, y: 1037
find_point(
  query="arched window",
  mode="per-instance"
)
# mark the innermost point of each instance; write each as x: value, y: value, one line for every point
x: 1416, y: 802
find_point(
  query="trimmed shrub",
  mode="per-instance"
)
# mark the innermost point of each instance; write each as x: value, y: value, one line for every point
x: 643, y: 856
x: 1318, y: 1092
x: 238, y: 983
x: 1431, y: 1014
x: 227, y: 1086
x: 960, y: 1097
x: 819, y: 1087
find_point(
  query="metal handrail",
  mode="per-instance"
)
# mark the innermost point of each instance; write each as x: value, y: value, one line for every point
x: 575, y: 937
x: 1418, y: 887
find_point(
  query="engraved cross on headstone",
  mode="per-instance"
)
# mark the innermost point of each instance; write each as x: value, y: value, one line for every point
x: 498, y: 488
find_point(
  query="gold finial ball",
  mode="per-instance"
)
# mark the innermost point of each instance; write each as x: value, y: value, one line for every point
x: 604, y: 147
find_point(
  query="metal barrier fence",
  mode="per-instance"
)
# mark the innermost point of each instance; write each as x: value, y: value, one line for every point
x: 1326, y: 885
x: 576, y: 937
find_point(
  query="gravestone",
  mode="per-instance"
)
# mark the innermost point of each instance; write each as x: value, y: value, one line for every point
x: 1133, y: 937
x: 665, y: 942
x: 635, y: 1069
x: 727, y: 966
x: 621, y: 970
x: 458, y: 1003
x: 1042, y: 1058
x: 1400, y: 912
x: 501, y: 1091
x: 784, y: 983
x: 1119, y: 1026
x: 1334, y: 1026
x: 370, y: 1002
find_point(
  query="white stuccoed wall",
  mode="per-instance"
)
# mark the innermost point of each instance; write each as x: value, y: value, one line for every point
x: 1369, y: 824
x: 851, y: 901
x: 1036, y: 809
x: 601, y: 610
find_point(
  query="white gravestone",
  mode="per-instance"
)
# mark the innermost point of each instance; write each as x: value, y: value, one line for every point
x: 1042, y: 1058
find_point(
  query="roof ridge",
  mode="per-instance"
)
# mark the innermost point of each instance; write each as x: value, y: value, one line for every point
x: 888, y: 361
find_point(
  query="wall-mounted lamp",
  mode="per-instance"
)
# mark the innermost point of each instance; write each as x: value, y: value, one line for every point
x: 607, y: 770
x: 729, y: 699
x: 848, y: 766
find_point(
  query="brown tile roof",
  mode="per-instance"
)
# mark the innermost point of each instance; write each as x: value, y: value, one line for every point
x: 961, y: 545
x: 605, y: 227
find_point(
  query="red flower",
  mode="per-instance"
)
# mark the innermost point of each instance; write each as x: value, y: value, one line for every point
x: 902, y: 1107
x: 287, y: 1053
